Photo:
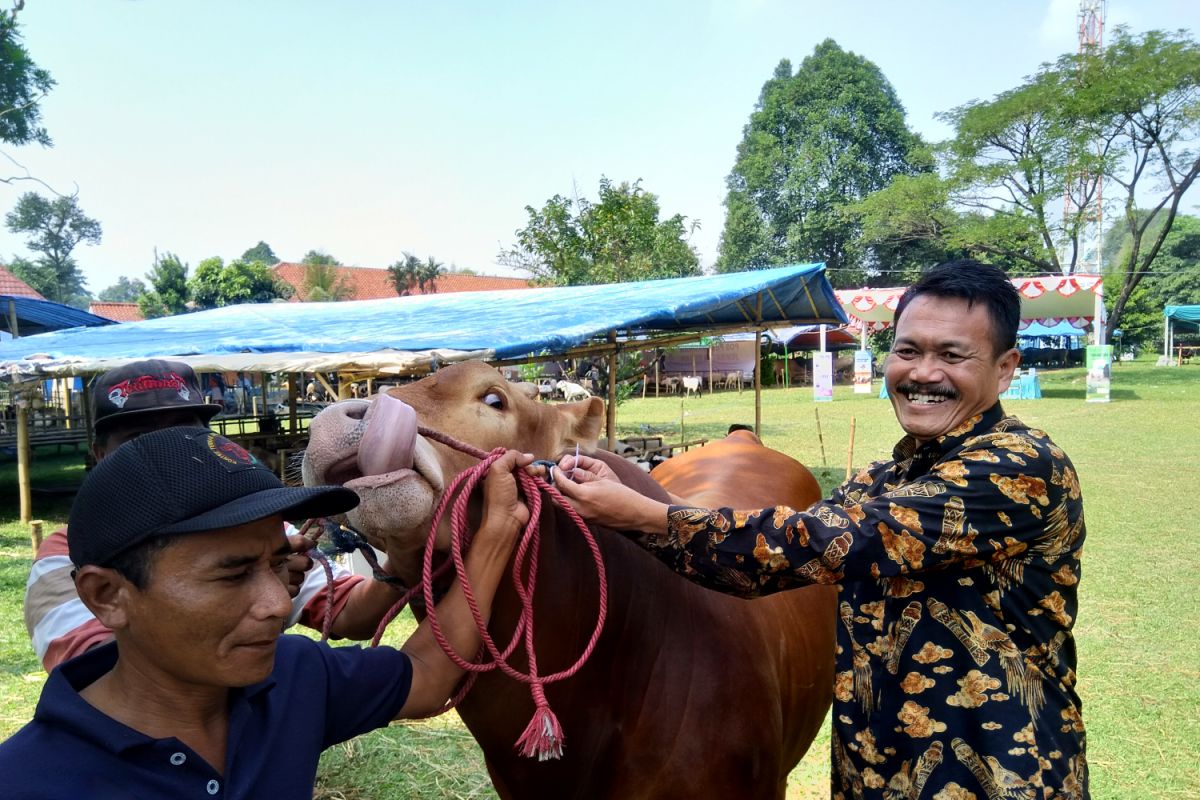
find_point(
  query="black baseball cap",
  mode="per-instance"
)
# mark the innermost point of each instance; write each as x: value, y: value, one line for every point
x: 182, y: 480
x: 143, y: 387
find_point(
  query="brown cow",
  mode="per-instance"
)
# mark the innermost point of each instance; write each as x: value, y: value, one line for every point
x: 689, y: 693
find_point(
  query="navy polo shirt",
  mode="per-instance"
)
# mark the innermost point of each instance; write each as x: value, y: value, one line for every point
x: 315, y: 697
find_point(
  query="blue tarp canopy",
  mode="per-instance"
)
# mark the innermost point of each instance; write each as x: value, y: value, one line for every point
x: 1061, y: 328
x: 406, y: 333
x: 40, y: 316
x: 1183, y: 313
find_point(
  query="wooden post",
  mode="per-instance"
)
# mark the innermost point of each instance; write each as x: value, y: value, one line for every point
x: 67, y: 401
x: 344, y: 384
x: 23, y: 486
x: 710, y: 369
x: 820, y: 438
x: 850, y: 452
x: 292, y: 392
x: 656, y: 373
x: 758, y: 383
x: 610, y: 413
x: 35, y: 535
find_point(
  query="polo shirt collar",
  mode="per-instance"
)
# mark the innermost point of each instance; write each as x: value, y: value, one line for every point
x: 61, y: 705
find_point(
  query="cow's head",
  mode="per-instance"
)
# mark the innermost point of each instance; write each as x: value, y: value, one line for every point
x: 372, y: 446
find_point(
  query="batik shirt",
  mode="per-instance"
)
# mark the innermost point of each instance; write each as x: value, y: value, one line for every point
x: 957, y: 565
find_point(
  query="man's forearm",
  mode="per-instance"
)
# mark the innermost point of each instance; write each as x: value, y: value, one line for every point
x: 369, y: 600
x: 486, y: 563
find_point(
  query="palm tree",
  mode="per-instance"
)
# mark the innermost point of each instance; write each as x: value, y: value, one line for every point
x: 323, y: 282
x: 428, y: 275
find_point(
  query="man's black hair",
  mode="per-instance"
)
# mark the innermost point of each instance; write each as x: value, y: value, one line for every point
x: 977, y: 283
x: 135, y: 563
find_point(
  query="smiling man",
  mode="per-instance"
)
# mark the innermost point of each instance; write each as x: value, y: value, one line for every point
x: 957, y: 563
x: 183, y: 557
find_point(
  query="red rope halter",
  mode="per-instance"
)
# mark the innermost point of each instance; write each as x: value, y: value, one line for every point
x: 543, y: 737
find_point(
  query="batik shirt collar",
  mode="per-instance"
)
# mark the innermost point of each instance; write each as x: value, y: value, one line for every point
x: 913, y: 460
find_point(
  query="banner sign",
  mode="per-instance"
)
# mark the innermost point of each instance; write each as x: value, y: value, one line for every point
x: 822, y: 377
x: 1099, y: 374
x: 862, y: 372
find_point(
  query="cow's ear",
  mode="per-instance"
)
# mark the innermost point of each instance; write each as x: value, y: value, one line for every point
x: 585, y: 419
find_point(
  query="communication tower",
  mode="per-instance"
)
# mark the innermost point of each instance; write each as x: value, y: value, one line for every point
x: 1087, y: 187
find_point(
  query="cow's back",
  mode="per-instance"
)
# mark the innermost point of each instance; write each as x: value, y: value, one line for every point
x: 794, y: 629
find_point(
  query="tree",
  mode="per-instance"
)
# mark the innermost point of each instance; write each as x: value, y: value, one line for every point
x: 619, y: 238
x: 818, y: 140
x: 1174, y: 281
x: 123, y: 291
x: 216, y: 284
x: 261, y: 252
x: 411, y: 275
x: 168, y: 294
x: 324, y: 283
x: 320, y: 257
x: 22, y: 86
x: 1140, y: 99
x: 55, y: 228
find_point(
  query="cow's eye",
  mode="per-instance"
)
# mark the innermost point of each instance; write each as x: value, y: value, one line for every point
x: 494, y: 399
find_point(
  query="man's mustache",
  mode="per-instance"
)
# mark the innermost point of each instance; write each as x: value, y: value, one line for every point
x: 937, y: 390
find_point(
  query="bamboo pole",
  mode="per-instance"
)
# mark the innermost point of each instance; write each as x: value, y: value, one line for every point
x: 850, y: 452
x: 292, y: 392
x: 656, y: 381
x: 820, y: 438
x: 610, y: 412
x: 35, y: 535
x: 757, y: 385
x: 710, y: 369
x: 23, y: 486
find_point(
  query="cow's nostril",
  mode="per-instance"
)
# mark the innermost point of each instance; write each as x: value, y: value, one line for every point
x: 356, y: 410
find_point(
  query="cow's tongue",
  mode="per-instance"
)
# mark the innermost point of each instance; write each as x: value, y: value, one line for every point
x: 387, y: 443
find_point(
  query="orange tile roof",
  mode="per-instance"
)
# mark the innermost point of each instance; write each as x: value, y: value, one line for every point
x: 372, y: 283
x: 12, y: 285
x: 121, y: 312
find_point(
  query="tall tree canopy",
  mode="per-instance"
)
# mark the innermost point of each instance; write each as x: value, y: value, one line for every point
x: 818, y: 141
x: 55, y: 228
x: 124, y: 290
x: 1129, y: 112
x: 168, y: 294
x: 215, y: 283
x: 620, y: 238
x: 22, y: 85
x: 261, y: 252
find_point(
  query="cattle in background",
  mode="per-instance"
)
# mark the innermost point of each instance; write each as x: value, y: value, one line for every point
x: 572, y: 392
x: 691, y: 384
x: 733, y: 380
x: 689, y: 693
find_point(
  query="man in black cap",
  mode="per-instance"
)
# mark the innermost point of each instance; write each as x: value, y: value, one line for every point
x: 182, y: 556
x: 129, y: 401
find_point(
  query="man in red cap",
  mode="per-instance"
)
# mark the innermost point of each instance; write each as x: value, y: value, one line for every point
x: 130, y: 401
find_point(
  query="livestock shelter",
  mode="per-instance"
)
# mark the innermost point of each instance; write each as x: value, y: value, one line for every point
x: 413, y: 335
x: 26, y: 316
x: 1175, y: 319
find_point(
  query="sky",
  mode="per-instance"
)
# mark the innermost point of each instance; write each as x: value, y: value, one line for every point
x: 372, y: 128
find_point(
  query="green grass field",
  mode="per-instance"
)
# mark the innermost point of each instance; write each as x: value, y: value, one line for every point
x: 1139, y: 661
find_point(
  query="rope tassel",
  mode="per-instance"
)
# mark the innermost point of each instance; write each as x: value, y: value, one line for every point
x: 543, y: 737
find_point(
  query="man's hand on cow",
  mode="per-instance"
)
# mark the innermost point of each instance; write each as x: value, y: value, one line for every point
x: 600, y: 497
x: 298, y: 563
x: 504, y: 514
x: 585, y: 469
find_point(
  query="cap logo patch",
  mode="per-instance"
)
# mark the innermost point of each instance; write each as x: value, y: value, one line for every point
x: 119, y: 393
x: 230, y: 452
